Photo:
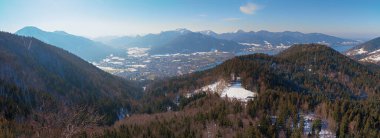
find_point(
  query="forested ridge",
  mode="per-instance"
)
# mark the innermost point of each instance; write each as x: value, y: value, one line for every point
x: 41, y: 84
x: 304, y: 79
x: 310, y: 69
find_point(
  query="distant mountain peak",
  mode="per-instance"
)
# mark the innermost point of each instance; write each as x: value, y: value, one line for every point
x: 33, y: 29
x: 208, y: 32
x: 61, y: 32
x: 29, y: 29
x: 263, y: 31
x: 293, y: 32
x: 182, y: 30
x: 239, y: 31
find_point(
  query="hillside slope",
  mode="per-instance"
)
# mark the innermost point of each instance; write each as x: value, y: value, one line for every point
x: 37, y: 77
x: 366, y: 52
x: 311, y: 69
x: 305, y: 91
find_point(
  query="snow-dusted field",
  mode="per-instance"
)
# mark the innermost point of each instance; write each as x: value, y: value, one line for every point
x: 372, y: 58
x: 236, y: 91
x: 357, y: 52
x: 231, y: 90
x: 217, y: 87
x: 137, y: 52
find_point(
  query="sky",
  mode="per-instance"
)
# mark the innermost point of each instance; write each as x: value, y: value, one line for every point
x: 355, y: 19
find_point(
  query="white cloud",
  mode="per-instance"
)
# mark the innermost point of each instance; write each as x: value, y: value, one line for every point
x: 231, y: 19
x: 249, y: 8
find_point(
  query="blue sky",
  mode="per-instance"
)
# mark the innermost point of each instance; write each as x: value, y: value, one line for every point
x: 92, y: 18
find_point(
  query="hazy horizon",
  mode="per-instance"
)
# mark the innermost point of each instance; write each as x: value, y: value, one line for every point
x: 134, y: 35
x: 98, y: 18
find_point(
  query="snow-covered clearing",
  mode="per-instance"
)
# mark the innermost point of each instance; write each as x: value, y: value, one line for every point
x: 232, y: 90
x: 357, y: 52
x: 236, y: 91
x: 250, y: 44
x: 376, y: 51
x: 137, y: 52
x: 372, y: 58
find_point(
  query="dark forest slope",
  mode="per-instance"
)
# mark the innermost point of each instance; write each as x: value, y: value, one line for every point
x: 37, y: 77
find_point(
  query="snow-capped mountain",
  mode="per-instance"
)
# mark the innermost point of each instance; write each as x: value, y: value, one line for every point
x: 366, y: 52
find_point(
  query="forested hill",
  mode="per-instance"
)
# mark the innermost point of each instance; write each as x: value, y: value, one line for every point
x: 304, y: 80
x: 368, y: 52
x: 308, y: 69
x: 312, y: 68
x: 39, y: 78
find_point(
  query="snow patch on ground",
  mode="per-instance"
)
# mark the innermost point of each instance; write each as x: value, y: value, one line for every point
x: 116, y: 62
x: 357, y: 52
x: 236, y: 91
x: 282, y: 46
x: 308, y: 123
x: 131, y: 70
x: 106, y: 68
x: 323, y: 43
x: 137, y: 52
x: 361, y: 51
x: 195, y: 53
x: 232, y: 90
x: 115, y: 70
x: 372, y: 58
x: 117, y: 58
x: 250, y: 44
x: 217, y: 87
x: 138, y: 66
x: 376, y: 51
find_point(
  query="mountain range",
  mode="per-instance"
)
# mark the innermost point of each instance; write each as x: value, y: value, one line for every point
x: 181, y: 40
x: 78, y: 45
x: 280, y: 38
x: 366, y: 52
x: 191, y: 42
x: 178, y: 41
